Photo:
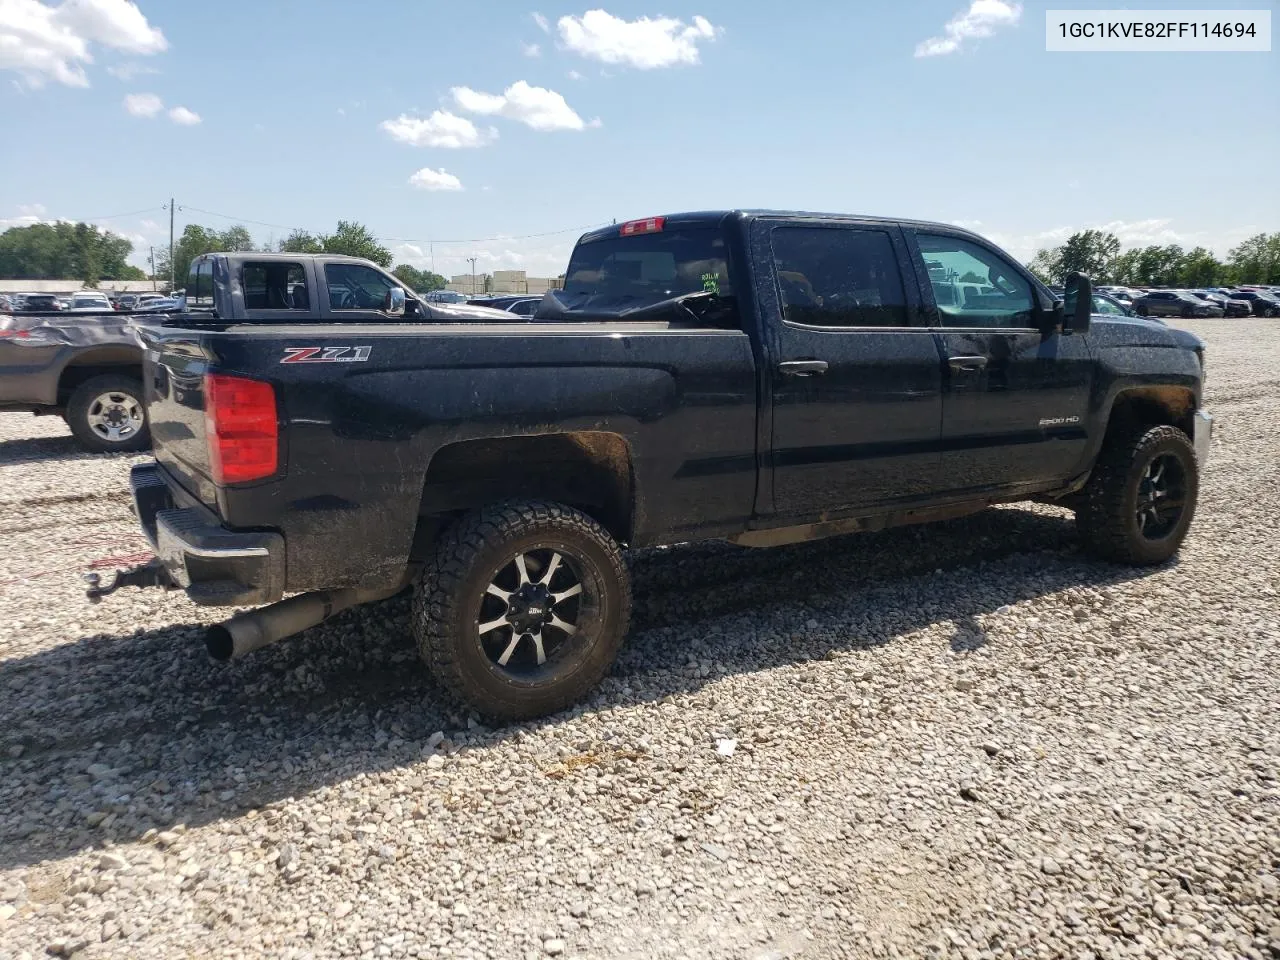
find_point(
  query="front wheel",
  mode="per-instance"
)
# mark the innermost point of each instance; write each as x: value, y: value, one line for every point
x: 1141, y: 497
x: 107, y: 414
x: 522, y: 608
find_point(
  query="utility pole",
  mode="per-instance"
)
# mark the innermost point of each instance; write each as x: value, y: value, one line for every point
x: 472, y: 261
x: 152, y: 258
x: 171, y: 278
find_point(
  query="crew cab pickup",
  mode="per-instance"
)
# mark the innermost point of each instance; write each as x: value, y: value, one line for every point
x: 756, y: 376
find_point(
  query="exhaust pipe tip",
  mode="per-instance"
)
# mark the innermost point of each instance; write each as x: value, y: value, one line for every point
x: 220, y: 643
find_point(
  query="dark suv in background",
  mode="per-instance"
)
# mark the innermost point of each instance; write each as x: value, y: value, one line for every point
x: 1262, y: 302
x: 37, y: 302
x: 1174, y: 303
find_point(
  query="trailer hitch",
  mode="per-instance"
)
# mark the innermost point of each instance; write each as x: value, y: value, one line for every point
x: 150, y: 574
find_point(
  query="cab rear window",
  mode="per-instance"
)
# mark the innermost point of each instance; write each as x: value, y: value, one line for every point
x: 651, y: 266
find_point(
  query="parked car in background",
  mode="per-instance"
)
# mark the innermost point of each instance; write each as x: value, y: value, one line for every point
x: 126, y: 302
x: 89, y: 303
x: 522, y: 305
x: 444, y: 296
x: 1123, y: 294
x: 40, y: 303
x: 1261, y: 302
x: 1174, y: 303
x: 158, y: 305
x: 1108, y: 306
x: 1232, y: 306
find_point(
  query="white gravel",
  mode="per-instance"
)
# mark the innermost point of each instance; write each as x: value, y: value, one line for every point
x: 963, y: 740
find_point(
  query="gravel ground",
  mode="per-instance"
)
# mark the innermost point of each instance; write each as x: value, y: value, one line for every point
x: 962, y: 740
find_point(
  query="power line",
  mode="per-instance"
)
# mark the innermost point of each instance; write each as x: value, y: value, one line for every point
x: 121, y: 216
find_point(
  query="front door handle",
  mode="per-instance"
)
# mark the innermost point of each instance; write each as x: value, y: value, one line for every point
x: 802, y: 368
x: 967, y: 364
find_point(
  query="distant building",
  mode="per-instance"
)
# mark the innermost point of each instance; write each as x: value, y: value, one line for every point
x: 503, y: 282
x: 67, y: 287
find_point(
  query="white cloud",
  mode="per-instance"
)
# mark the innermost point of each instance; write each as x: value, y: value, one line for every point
x: 127, y: 71
x: 980, y: 20
x: 428, y: 179
x: 184, y: 117
x: 143, y: 104
x: 41, y: 42
x: 441, y: 129
x: 541, y: 21
x: 531, y: 49
x: 535, y: 107
x: 148, y: 105
x: 643, y: 43
x: 574, y: 75
x: 32, y: 210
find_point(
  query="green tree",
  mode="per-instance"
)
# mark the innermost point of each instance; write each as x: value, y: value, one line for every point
x: 300, y: 241
x: 1257, y: 260
x: 196, y: 240
x: 1124, y: 268
x: 63, y: 251
x: 1200, y: 268
x: 1158, y: 266
x: 1090, y: 252
x: 1047, y: 266
x: 419, y: 281
x: 353, y: 239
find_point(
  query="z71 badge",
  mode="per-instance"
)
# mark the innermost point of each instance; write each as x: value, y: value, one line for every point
x: 326, y: 354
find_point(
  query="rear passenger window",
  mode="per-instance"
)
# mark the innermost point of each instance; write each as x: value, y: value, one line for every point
x: 272, y: 285
x: 839, y: 277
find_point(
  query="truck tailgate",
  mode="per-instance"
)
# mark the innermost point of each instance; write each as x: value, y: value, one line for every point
x: 173, y: 374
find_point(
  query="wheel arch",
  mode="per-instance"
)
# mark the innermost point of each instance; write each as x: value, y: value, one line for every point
x: 1154, y: 405
x: 589, y: 470
x: 96, y: 362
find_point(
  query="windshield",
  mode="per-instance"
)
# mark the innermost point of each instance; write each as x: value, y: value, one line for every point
x: 648, y: 268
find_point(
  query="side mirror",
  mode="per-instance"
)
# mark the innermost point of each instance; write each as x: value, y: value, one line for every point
x: 393, y: 302
x: 1078, y: 308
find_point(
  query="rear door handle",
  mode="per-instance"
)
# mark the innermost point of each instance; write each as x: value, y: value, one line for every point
x: 967, y: 364
x: 802, y: 368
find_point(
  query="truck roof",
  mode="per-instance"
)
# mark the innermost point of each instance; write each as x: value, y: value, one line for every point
x: 268, y: 255
x: 711, y: 218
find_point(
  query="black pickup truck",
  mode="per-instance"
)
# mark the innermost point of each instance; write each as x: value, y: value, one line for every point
x: 761, y: 377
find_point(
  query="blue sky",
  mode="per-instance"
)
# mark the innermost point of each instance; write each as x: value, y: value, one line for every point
x: 429, y: 121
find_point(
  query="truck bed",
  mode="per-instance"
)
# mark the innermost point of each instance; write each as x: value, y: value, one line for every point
x: 364, y: 410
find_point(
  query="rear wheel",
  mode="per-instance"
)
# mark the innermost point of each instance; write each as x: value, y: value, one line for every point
x: 1141, y: 497
x: 522, y: 608
x: 107, y: 414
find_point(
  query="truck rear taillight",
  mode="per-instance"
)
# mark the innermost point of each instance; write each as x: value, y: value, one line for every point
x: 240, y: 426
x: 635, y: 227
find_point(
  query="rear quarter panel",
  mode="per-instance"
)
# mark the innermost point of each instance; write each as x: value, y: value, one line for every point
x: 358, y: 436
